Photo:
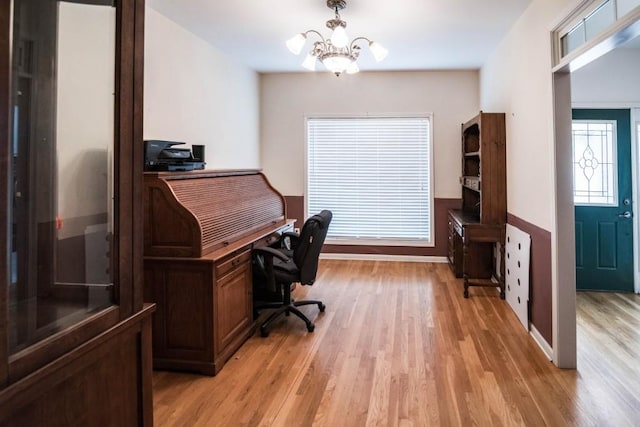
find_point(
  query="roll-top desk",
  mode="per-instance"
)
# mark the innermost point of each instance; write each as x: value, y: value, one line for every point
x: 200, y: 228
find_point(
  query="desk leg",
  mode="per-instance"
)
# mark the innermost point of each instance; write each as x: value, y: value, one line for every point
x: 502, y: 272
x: 465, y: 264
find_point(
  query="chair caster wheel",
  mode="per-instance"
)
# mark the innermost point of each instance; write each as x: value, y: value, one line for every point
x: 322, y: 307
x: 311, y: 327
x: 466, y: 294
x: 263, y: 332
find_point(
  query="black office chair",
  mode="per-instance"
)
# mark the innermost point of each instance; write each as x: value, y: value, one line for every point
x: 281, y: 268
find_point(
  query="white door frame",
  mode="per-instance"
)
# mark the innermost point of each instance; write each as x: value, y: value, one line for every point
x: 563, y: 248
x: 635, y: 152
x: 563, y: 241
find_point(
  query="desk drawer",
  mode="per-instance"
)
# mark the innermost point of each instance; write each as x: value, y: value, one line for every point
x: 273, y: 238
x: 483, y: 233
x: 232, y: 261
x: 454, y: 226
x: 457, y: 228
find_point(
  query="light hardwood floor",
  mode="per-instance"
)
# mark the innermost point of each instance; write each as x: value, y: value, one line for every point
x: 399, y: 346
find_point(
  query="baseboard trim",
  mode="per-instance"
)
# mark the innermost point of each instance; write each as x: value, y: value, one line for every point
x: 381, y: 257
x: 542, y: 343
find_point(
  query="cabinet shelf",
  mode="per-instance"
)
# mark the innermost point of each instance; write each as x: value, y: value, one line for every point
x: 470, y: 187
x: 471, y: 182
x: 472, y: 154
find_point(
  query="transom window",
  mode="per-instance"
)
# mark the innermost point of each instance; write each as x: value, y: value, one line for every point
x: 374, y: 174
x: 589, y: 21
x: 595, y: 166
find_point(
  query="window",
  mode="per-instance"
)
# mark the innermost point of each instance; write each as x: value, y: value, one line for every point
x: 594, y: 163
x: 589, y: 21
x: 374, y: 174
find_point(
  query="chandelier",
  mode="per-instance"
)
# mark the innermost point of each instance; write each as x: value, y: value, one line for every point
x: 336, y: 53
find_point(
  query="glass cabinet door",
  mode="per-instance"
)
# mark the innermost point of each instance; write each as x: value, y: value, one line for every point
x: 61, y: 174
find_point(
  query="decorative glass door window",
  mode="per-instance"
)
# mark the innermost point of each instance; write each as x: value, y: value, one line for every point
x: 595, y: 169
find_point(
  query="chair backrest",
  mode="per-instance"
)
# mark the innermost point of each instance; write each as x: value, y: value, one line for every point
x: 307, y: 251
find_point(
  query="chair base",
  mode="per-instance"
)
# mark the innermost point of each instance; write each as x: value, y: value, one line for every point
x: 286, y: 309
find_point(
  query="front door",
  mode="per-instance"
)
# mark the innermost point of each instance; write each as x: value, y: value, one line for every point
x: 602, y: 197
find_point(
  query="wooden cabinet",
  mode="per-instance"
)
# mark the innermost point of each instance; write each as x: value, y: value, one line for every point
x: 75, y: 334
x: 205, y: 309
x: 475, y: 229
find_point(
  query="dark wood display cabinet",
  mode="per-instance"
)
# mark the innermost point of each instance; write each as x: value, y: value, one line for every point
x: 475, y: 229
x: 75, y: 334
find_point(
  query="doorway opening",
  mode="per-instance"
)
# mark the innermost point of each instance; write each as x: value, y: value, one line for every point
x: 566, y: 79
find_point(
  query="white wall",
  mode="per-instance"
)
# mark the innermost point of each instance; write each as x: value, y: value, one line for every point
x: 285, y: 99
x: 517, y: 80
x: 197, y: 94
x: 611, y: 80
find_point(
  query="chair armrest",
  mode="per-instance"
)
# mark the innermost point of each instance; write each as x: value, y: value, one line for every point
x: 289, y: 240
x: 264, y: 256
x: 270, y: 252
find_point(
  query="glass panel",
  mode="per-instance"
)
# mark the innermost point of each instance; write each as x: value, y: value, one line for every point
x: 600, y: 19
x: 573, y: 39
x: 595, y: 167
x: 63, y: 86
x: 626, y: 6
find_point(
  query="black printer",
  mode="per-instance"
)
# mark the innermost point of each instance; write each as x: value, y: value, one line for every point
x: 162, y: 156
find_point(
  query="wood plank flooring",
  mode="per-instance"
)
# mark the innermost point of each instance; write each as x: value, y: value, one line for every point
x: 399, y: 346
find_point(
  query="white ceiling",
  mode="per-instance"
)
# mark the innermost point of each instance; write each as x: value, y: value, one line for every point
x: 419, y: 34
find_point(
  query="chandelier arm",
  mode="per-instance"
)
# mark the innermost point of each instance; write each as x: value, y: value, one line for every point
x: 353, y: 42
x: 316, y: 33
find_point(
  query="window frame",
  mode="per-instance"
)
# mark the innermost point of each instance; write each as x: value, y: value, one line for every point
x: 377, y: 242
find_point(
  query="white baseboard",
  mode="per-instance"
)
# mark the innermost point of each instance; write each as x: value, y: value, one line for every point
x: 381, y: 257
x: 542, y: 343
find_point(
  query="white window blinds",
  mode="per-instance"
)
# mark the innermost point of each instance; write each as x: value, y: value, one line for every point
x: 374, y: 174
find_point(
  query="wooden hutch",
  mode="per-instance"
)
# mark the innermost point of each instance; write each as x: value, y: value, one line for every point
x: 475, y: 229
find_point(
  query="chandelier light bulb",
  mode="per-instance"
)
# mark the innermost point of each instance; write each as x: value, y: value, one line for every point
x: 296, y: 43
x: 310, y: 62
x: 379, y: 52
x: 339, y: 37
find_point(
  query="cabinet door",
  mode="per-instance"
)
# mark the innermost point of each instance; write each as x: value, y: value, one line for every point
x: 69, y: 171
x: 233, y: 305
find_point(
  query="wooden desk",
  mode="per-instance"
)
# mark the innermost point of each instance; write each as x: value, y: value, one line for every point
x: 471, y: 247
x: 200, y: 229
